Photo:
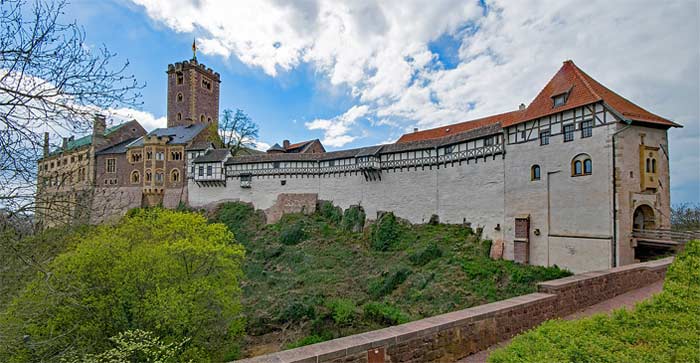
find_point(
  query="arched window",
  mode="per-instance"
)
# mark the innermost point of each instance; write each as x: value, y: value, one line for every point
x: 135, y: 177
x: 535, y: 172
x: 581, y: 165
x: 201, y: 118
x: 648, y: 165
x: 179, y: 97
x: 159, y: 177
x: 149, y: 176
x: 174, y: 175
x: 653, y: 165
x: 179, y: 116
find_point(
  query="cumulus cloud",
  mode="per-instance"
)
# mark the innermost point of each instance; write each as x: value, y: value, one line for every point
x: 505, y: 51
x: 146, y: 119
x: 335, y: 130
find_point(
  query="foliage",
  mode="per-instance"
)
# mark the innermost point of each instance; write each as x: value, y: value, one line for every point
x: 662, y: 329
x: 292, y: 234
x: 342, y: 310
x: 330, y: 212
x: 686, y: 217
x: 237, y: 130
x: 167, y: 272
x: 385, y: 233
x: 136, y: 346
x: 240, y: 218
x: 354, y: 219
x: 384, y: 313
x: 429, y: 253
x: 297, y: 310
x: 388, y: 282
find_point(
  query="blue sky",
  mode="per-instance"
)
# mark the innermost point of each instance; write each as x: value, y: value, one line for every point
x: 361, y: 73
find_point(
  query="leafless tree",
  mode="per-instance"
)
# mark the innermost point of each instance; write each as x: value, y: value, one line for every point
x: 685, y: 217
x: 237, y: 130
x: 50, y: 80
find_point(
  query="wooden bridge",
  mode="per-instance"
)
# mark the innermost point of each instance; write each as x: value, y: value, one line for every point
x: 664, y: 237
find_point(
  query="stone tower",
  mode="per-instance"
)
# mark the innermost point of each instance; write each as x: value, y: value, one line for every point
x: 193, y: 93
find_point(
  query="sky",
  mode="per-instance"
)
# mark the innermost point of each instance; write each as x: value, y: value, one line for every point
x: 363, y: 72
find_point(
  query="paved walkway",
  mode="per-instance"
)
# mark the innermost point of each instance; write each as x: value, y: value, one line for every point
x: 626, y: 300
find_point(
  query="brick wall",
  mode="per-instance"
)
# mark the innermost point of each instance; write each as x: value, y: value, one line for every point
x: 452, y: 336
x: 291, y: 203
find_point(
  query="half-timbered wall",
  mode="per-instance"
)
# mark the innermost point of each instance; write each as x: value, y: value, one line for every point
x: 570, y: 216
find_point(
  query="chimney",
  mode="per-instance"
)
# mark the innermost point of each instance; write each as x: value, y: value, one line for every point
x: 521, y: 107
x: 98, y: 132
x: 46, y: 144
x: 415, y: 129
x: 64, y: 146
x: 285, y: 144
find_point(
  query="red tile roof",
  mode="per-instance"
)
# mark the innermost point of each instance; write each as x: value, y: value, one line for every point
x: 581, y: 90
x: 460, y: 127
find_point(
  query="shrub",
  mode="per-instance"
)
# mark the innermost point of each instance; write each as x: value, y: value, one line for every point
x: 383, y: 313
x: 293, y: 234
x: 429, y: 253
x: 354, y: 219
x: 167, y: 272
x: 385, y: 233
x: 296, y: 310
x: 136, y: 346
x: 342, y: 310
x: 661, y: 329
x: 238, y: 217
x: 330, y: 212
x: 388, y: 282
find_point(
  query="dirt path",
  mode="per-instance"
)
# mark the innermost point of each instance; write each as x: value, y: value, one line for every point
x: 626, y: 300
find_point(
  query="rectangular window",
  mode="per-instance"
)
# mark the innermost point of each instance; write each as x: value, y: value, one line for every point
x: 111, y: 165
x: 587, y: 128
x: 160, y: 155
x: 523, y: 135
x: 568, y: 133
x: 448, y: 150
x: 209, y: 170
x: 559, y: 100
x: 488, y: 141
x: 544, y: 137
x: 201, y: 171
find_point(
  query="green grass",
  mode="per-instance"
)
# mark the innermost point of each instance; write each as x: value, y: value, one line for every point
x: 319, y: 277
x: 665, y: 328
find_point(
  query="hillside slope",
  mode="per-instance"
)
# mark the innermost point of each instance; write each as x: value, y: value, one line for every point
x: 318, y: 277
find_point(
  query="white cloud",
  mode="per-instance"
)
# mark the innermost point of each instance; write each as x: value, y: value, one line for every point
x: 146, y: 119
x: 337, y: 129
x: 644, y: 49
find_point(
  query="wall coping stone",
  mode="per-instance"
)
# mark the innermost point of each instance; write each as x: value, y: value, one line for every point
x: 570, y: 281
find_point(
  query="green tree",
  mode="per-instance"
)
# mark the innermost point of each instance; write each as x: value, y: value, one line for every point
x: 167, y: 272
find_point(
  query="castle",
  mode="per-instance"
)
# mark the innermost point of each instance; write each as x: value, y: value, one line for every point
x: 562, y: 181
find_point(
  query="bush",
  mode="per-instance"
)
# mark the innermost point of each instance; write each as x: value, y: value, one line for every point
x: 388, y: 282
x: 238, y: 217
x: 354, y: 219
x: 342, y: 310
x: 163, y: 271
x: 662, y: 329
x: 296, y: 310
x: 429, y: 253
x: 136, y: 346
x: 384, y: 314
x: 293, y: 234
x: 385, y: 233
x: 330, y: 212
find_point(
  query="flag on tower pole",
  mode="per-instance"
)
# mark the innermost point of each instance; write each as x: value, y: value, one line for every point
x: 194, y: 49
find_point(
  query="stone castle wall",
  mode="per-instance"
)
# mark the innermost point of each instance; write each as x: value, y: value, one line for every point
x: 457, y: 193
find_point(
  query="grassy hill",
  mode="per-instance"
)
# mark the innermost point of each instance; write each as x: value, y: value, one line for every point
x: 318, y: 277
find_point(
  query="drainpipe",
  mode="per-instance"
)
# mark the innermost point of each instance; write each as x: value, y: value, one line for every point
x: 614, y: 196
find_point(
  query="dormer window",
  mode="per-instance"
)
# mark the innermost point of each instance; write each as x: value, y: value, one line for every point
x: 560, y: 99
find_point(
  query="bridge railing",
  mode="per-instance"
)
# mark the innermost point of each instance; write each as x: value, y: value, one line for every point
x: 677, y: 237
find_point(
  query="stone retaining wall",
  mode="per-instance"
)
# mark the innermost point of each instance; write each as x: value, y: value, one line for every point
x: 452, y: 336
